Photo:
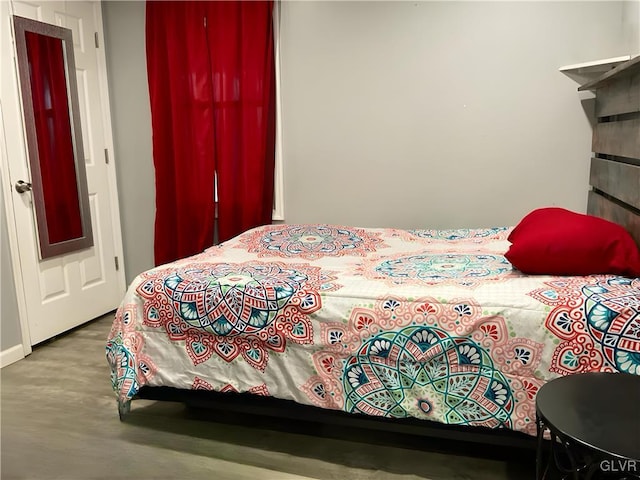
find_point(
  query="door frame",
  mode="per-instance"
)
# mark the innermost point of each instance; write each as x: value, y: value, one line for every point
x: 25, y: 335
x: 6, y: 13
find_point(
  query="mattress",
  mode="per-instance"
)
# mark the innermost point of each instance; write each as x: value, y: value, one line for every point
x: 431, y: 324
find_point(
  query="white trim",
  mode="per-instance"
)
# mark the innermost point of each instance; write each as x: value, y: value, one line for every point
x: 11, y: 355
x: 278, y: 180
x: 14, y: 246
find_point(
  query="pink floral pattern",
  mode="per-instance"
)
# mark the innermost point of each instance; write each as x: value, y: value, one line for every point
x: 232, y: 310
x: 597, y: 322
x: 310, y: 241
x: 428, y: 359
x: 131, y: 367
x: 200, y: 384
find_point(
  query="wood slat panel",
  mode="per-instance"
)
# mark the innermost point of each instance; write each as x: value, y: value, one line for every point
x: 618, y: 138
x: 620, y: 180
x: 600, y: 206
x: 621, y: 96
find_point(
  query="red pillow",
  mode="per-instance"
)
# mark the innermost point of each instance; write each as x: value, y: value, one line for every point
x: 555, y: 241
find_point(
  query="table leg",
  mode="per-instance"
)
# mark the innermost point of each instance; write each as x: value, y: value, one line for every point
x: 540, y: 428
x: 574, y: 469
x: 591, y: 471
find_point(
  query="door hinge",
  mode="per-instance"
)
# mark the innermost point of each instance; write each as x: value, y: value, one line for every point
x: 117, y: 263
x: 95, y: 36
x: 106, y: 156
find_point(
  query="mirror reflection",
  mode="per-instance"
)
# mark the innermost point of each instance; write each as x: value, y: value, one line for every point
x: 53, y: 129
x: 49, y: 93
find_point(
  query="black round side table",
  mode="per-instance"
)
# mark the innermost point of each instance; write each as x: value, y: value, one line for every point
x: 594, y: 423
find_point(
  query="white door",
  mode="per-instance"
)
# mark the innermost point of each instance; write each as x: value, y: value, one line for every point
x: 65, y: 291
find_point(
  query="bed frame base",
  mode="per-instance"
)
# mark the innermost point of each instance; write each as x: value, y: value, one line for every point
x: 248, y: 404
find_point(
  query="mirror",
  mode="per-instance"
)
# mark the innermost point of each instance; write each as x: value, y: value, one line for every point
x: 54, y: 141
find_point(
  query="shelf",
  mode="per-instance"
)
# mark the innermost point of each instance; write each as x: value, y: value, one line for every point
x: 588, y: 71
x: 627, y: 68
x: 597, y: 66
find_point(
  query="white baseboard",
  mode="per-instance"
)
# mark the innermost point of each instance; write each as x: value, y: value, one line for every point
x: 11, y: 355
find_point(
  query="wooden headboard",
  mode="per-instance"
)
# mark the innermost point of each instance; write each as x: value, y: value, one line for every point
x: 615, y: 166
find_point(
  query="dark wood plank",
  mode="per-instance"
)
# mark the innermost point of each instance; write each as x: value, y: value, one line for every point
x: 620, y: 180
x: 619, y: 97
x: 602, y: 207
x: 618, y: 138
x: 627, y: 68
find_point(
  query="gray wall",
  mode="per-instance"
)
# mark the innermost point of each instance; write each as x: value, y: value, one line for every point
x: 131, y: 121
x: 631, y: 25
x: 403, y: 114
x: 10, y: 334
x: 437, y: 114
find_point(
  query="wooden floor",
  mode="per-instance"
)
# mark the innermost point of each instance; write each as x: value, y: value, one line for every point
x: 59, y: 421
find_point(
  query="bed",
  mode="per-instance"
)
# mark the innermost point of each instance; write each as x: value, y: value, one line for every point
x: 423, y: 327
x: 426, y: 324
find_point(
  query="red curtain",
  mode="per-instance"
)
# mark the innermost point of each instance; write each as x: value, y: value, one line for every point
x: 182, y: 123
x: 55, y: 147
x: 240, y: 37
x: 212, y: 90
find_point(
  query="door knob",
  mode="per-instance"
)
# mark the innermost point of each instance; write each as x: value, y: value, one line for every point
x: 22, y: 187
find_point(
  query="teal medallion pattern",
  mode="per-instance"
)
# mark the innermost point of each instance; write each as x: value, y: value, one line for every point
x: 421, y: 370
x: 123, y: 367
x: 461, y: 234
x: 130, y: 366
x: 597, y: 320
x: 235, y: 310
x: 230, y: 300
x: 426, y: 268
x: 427, y: 359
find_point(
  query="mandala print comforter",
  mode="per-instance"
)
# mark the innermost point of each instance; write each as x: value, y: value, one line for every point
x: 419, y: 323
